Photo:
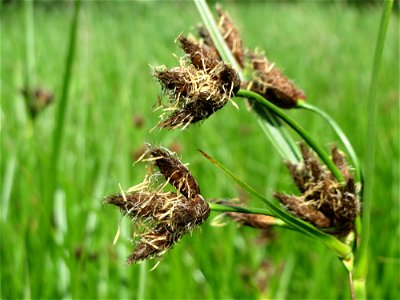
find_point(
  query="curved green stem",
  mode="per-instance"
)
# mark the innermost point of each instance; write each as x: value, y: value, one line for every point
x: 296, y: 127
x: 341, y: 135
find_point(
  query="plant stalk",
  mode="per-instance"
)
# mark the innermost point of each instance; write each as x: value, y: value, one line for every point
x: 29, y: 48
x: 361, y: 266
x: 58, y: 132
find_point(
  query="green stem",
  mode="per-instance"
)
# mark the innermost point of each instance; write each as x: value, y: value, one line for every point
x: 238, y: 209
x: 361, y: 267
x: 341, y: 135
x: 58, y: 132
x: 296, y: 127
x: 142, y: 281
x: 30, y: 45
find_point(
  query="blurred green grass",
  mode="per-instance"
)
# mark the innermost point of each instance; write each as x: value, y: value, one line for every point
x: 327, y: 48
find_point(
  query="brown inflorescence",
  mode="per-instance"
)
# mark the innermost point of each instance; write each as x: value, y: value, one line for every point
x: 270, y: 82
x: 162, y: 216
x: 267, y: 80
x: 197, y: 88
x: 324, y: 202
x: 37, y: 99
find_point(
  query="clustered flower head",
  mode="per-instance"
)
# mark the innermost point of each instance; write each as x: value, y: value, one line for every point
x: 201, y: 85
x: 325, y: 202
x: 162, y: 216
x: 266, y: 79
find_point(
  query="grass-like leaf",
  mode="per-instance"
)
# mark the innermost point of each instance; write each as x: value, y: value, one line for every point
x: 360, y: 272
x: 58, y: 132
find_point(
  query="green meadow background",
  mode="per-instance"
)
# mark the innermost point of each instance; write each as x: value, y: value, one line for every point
x: 60, y: 245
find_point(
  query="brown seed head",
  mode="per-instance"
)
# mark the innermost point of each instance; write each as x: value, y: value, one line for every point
x: 324, y: 201
x: 162, y: 217
x: 197, y: 89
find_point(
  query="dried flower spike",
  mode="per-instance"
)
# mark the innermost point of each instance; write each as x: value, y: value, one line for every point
x: 324, y: 201
x: 196, y: 89
x: 231, y: 36
x: 162, y: 217
x: 270, y: 82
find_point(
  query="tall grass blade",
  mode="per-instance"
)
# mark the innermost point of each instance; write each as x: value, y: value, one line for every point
x: 29, y: 46
x: 285, y: 278
x: 58, y: 132
x: 7, y: 187
x: 361, y: 267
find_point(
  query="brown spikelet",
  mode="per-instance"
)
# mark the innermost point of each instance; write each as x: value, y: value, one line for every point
x: 304, y: 210
x: 153, y: 243
x: 176, y: 80
x: 201, y: 56
x: 340, y: 162
x: 231, y: 36
x: 270, y: 82
x: 207, y: 40
x: 175, y: 172
x: 192, y: 113
x: 252, y: 220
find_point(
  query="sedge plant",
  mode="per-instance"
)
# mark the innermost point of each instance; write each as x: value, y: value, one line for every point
x: 216, y: 70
